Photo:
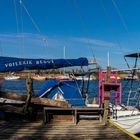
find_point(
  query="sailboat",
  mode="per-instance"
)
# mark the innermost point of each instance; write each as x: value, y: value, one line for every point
x: 14, y: 64
x: 126, y: 116
x: 38, y: 76
x: 11, y: 76
x: 131, y: 77
x: 63, y: 76
x: 8, y: 64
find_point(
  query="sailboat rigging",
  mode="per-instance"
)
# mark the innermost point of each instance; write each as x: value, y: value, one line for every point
x: 128, y: 116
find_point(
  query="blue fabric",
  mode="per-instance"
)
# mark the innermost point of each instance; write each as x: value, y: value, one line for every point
x: 12, y: 64
x: 47, y: 86
x: 68, y: 89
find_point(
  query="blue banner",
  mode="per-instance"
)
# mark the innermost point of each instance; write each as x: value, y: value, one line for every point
x: 12, y: 64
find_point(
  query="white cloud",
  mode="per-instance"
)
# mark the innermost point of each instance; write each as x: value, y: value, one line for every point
x: 98, y: 42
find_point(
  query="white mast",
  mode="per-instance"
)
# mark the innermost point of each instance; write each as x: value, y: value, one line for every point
x: 108, y: 62
x: 64, y: 53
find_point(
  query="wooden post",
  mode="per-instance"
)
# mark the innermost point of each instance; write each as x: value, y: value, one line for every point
x: 44, y: 116
x: 106, y: 97
x: 75, y: 116
x: 29, y: 86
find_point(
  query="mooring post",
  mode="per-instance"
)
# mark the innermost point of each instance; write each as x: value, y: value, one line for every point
x: 107, y: 96
x: 29, y: 87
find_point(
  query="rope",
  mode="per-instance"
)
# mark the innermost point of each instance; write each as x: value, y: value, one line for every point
x: 110, y: 22
x: 15, y: 8
x: 121, y: 17
x: 33, y: 22
x: 85, y: 29
x: 126, y: 63
x: 22, y: 41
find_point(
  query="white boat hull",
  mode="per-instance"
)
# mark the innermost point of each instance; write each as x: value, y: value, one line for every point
x: 38, y: 77
x: 129, y: 120
x: 11, y: 77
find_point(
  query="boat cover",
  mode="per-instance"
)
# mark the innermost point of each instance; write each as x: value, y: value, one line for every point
x: 69, y: 90
x: 12, y: 64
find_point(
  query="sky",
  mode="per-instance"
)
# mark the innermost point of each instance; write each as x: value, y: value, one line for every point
x: 85, y: 28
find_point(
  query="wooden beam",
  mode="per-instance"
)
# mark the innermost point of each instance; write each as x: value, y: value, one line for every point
x: 29, y: 86
x: 49, y: 102
x: 35, y: 100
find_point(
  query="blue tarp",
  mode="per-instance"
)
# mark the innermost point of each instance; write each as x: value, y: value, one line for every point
x: 68, y: 89
x: 12, y: 64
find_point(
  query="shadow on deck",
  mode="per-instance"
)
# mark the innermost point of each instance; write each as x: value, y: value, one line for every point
x: 85, y: 130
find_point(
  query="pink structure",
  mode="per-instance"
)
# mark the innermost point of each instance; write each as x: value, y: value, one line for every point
x: 113, y: 86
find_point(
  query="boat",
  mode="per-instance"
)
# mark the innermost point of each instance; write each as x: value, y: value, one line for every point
x: 131, y: 77
x: 39, y: 77
x: 63, y: 90
x: 85, y: 78
x: 63, y: 77
x: 12, y: 77
x: 13, y: 64
x: 126, y: 116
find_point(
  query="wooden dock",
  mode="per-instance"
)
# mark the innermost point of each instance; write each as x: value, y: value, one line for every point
x: 72, y: 114
x: 84, y: 130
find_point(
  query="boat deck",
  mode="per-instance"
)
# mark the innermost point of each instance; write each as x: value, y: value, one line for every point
x: 85, y: 130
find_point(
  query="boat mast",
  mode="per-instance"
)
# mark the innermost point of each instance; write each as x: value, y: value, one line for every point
x: 108, y: 62
x: 64, y: 56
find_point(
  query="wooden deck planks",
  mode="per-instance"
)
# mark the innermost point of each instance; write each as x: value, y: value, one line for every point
x: 87, y: 130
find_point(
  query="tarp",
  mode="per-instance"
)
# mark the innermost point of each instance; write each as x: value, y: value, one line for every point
x: 12, y: 64
x: 69, y: 91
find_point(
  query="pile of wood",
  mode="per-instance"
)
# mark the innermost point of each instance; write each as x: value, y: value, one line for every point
x: 35, y: 101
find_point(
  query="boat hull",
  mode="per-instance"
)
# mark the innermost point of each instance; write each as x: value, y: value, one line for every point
x: 11, y: 77
x: 39, y: 78
x: 130, y: 122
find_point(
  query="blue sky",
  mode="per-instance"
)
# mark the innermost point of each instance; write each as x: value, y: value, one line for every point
x: 86, y: 28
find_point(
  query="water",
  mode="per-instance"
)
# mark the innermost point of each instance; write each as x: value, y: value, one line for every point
x: 19, y: 86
